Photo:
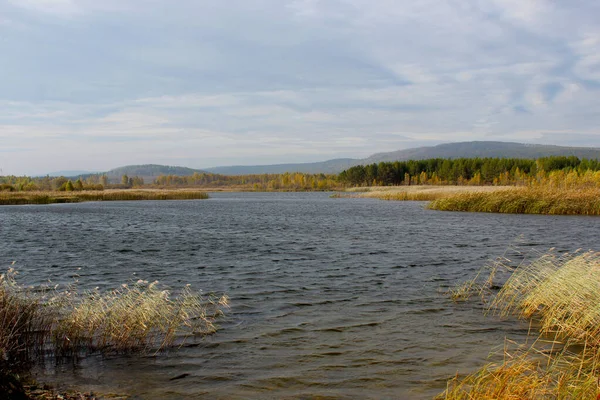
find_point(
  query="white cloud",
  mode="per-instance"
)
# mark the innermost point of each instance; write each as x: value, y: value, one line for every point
x: 112, y: 82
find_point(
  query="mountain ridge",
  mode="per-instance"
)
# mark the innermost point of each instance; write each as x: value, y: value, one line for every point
x: 482, y: 149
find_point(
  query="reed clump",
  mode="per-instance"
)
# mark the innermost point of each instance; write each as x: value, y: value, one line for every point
x: 415, y: 192
x: 51, y: 197
x: 560, y: 295
x: 532, y: 374
x: 525, y: 200
x: 138, y: 317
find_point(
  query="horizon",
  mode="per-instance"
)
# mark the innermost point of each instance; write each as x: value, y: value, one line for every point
x: 94, y: 85
x: 74, y: 173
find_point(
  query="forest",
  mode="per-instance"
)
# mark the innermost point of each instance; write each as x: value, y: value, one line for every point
x: 555, y: 170
x: 468, y: 171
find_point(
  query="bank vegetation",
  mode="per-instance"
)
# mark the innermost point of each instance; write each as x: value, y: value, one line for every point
x: 139, y: 317
x: 559, y: 294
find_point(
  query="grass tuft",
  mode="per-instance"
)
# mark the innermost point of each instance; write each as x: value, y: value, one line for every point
x: 139, y: 317
x: 560, y: 294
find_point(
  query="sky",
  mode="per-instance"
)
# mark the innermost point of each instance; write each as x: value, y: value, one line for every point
x: 93, y: 85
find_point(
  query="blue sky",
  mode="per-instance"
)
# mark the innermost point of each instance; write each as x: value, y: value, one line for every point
x: 88, y: 84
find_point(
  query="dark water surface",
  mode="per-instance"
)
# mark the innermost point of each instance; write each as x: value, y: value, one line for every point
x: 339, y: 298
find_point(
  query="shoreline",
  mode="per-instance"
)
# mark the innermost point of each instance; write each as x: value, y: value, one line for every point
x: 57, y: 197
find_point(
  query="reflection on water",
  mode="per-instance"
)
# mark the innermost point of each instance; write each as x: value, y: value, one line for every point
x: 338, y: 298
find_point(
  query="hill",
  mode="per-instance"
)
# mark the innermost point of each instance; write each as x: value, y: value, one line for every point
x: 326, y: 167
x: 482, y: 150
x: 149, y: 171
x: 448, y: 150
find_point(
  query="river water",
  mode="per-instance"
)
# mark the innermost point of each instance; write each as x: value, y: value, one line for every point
x: 330, y: 298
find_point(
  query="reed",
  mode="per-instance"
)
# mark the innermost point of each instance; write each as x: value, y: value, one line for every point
x: 24, y: 324
x: 525, y: 200
x: 50, y: 197
x: 139, y: 317
x: 560, y: 295
x: 529, y: 373
x: 414, y: 192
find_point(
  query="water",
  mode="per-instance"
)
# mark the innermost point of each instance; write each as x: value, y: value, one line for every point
x: 337, y: 298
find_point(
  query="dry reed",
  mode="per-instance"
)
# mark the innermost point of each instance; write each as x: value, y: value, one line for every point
x: 414, y: 192
x: 525, y: 200
x: 560, y: 294
x: 138, y: 317
x: 50, y: 197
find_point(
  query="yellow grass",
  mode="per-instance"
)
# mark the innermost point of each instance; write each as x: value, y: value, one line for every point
x: 139, y: 317
x: 416, y: 192
x: 560, y: 294
x: 525, y: 200
x: 49, y: 197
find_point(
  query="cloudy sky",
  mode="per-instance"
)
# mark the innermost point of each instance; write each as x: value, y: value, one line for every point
x: 92, y: 85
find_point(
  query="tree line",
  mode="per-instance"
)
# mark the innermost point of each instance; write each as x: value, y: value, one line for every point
x: 13, y: 183
x: 465, y: 171
x: 555, y: 170
x: 295, y: 181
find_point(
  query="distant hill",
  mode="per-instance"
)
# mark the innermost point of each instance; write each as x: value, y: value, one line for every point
x: 448, y: 150
x: 483, y: 149
x: 69, y: 174
x: 149, y: 171
x: 331, y: 166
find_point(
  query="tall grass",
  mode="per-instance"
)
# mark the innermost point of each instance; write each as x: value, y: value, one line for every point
x: 414, y: 192
x: 139, y: 317
x: 525, y: 200
x: 48, y: 197
x: 560, y: 294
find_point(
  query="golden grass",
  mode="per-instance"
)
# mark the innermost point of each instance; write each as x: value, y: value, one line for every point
x: 139, y: 317
x: 528, y: 373
x: 416, y: 192
x: 49, y: 197
x: 525, y: 200
x: 23, y: 322
x: 560, y: 294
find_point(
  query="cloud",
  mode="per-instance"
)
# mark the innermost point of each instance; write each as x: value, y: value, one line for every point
x: 95, y: 84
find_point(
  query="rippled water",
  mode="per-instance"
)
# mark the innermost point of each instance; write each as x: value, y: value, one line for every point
x: 337, y: 298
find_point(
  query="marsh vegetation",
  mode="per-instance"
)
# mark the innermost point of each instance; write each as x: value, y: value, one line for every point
x: 559, y: 294
x: 140, y: 317
x: 50, y: 197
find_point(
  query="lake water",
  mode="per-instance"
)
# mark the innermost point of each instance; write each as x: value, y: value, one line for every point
x: 330, y: 298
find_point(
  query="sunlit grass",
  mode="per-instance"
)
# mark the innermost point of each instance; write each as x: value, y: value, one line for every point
x: 50, y: 197
x: 138, y: 317
x: 415, y: 192
x: 560, y: 295
x: 525, y: 200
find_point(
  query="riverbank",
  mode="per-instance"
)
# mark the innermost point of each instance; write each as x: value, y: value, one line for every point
x: 558, y: 293
x: 51, y: 197
x: 417, y: 192
x: 492, y: 199
x: 524, y: 200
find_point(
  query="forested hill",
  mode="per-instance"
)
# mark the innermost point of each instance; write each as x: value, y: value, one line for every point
x: 484, y: 150
x: 448, y: 151
x: 326, y: 167
x: 150, y: 171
